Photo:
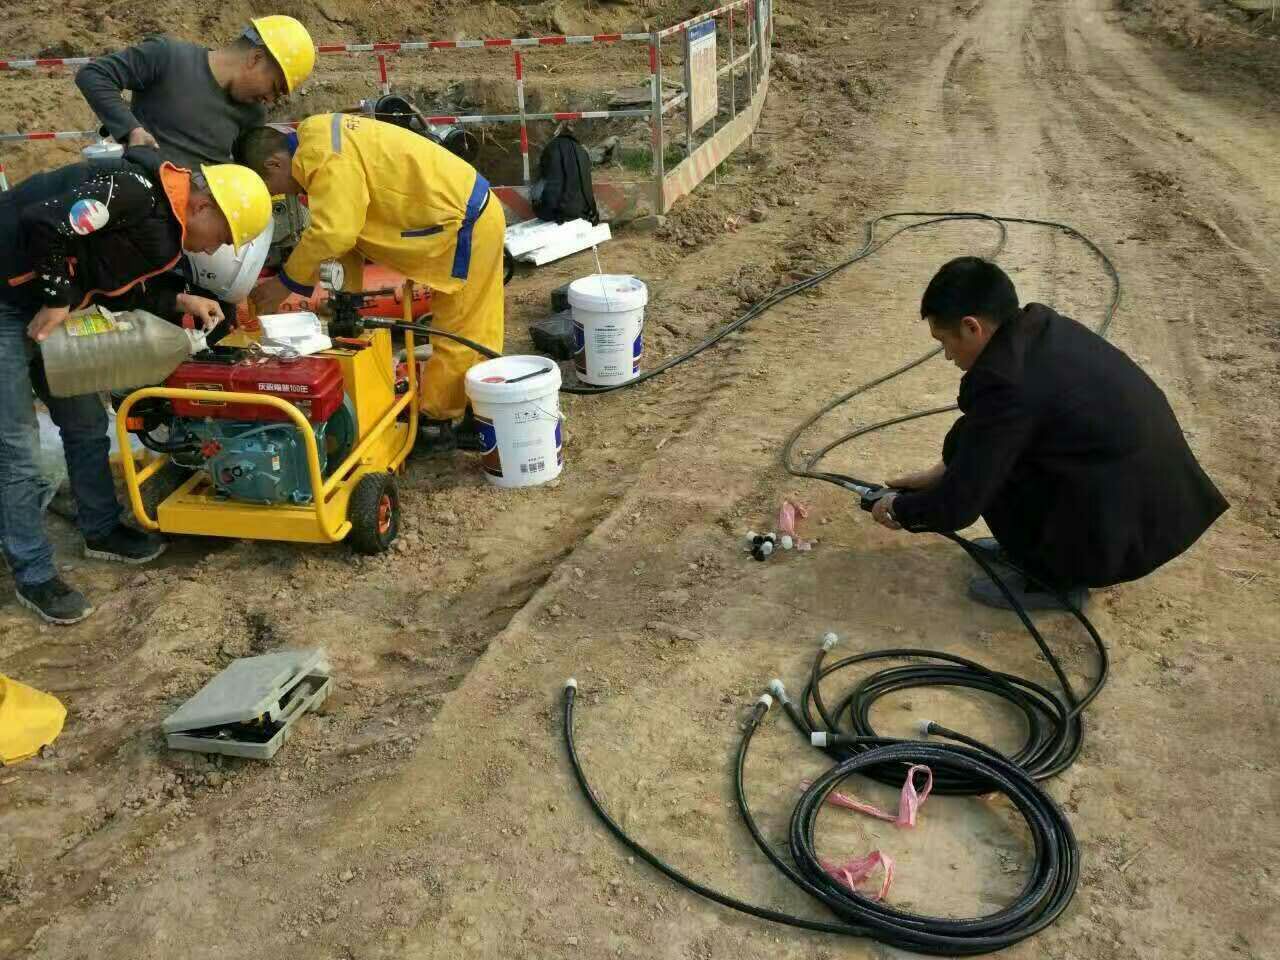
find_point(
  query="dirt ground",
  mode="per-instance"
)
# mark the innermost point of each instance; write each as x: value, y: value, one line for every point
x: 428, y: 810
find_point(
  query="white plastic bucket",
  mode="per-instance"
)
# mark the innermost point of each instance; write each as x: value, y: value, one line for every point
x: 516, y: 401
x: 608, y: 327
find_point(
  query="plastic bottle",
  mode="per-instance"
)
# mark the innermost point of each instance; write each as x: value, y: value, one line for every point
x: 99, y: 350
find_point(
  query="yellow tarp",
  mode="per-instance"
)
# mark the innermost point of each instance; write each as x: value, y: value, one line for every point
x: 29, y: 720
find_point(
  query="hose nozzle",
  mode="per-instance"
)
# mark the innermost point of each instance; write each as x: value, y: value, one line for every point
x: 829, y: 641
x: 778, y: 690
x: 571, y: 684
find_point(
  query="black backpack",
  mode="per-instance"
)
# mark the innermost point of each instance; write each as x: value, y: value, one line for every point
x: 565, y: 171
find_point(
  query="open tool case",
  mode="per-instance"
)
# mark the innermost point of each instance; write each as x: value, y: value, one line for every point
x: 250, y: 708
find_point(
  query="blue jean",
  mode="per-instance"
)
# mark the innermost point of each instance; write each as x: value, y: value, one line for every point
x: 82, y: 421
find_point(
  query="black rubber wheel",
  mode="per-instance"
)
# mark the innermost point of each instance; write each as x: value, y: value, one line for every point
x: 374, y: 512
x: 508, y: 266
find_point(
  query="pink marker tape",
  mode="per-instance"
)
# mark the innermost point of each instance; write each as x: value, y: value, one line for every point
x: 859, y: 869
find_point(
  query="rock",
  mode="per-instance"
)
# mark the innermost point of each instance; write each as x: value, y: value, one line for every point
x: 673, y: 631
x: 758, y: 214
x: 333, y: 10
x: 555, y: 611
x: 140, y: 580
x: 346, y: 876
x: 604, y: 151
x: 638, y: 96
x: 791, y: 66
x: 571, y: 941
x: 213, y: 780
x: 650, y: 223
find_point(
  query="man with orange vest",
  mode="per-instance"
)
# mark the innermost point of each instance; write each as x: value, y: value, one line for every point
x: 69, y: 238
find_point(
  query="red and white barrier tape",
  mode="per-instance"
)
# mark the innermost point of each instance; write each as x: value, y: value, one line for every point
x: 524, y: 122
x: 44, y: 62
x: 410, y: 46
x: 702, y: 18
x: 20, y: 137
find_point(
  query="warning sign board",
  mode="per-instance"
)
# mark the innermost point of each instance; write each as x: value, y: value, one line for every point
x: 704, y: 85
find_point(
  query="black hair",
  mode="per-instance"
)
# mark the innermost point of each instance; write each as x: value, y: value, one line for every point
x: 969, y: 287
x: 253, y: 147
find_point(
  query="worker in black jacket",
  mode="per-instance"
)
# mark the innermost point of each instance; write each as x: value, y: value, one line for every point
x: 69, y: 238
x: 1068, y: 451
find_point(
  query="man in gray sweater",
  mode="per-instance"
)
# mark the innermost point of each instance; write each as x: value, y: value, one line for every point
x: 193, y: 102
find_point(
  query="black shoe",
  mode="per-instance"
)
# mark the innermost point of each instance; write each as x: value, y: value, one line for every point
x: 1031, y: 599
x: 436, y: 436
x: 125, y: 545
x: 445, y: 436
x: 991, y: 550
x: 54, y: 602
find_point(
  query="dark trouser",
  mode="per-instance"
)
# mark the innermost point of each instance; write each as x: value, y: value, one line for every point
x: 82, y: 421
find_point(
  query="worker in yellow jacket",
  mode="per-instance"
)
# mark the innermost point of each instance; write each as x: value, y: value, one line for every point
x: 381, y: 193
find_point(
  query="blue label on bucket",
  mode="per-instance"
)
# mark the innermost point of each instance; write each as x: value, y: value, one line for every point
x: 637, y: 348
x: 559, y: 445
x: 579, y: 347
x: 489, y: 456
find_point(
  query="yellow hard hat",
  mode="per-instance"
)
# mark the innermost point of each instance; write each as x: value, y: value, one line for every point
x: 242, y: 197
x: 29, y: 720
x: 290, y: 45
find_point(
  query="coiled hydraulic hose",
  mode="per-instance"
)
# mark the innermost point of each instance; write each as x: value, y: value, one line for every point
x: 1050, y: 885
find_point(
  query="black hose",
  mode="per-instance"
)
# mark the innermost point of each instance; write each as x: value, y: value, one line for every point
x: 1049, y: 888
x: 423, y: 330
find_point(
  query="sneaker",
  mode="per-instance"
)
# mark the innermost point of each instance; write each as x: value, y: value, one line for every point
x: 1032, y: 599
x: 54, y: 602
x: 125, y: 545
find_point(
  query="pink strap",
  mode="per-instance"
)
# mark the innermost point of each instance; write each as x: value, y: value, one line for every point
x: 855, y: 871
x: 788, y: 514
x: 909, y: 801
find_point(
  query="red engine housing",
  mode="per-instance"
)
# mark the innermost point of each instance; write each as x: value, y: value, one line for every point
x: 312, y: 384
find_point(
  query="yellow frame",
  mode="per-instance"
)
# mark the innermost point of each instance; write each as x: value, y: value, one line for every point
x: 322, y: 521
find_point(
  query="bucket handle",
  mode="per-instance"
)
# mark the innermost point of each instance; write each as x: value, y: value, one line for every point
x: 531, y: 375
x: 559, y: 417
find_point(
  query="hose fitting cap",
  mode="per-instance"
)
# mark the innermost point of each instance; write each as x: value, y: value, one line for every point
x: 926, y: 727
x: 766, y: 700
x: 778, y: 690
x: 819, y: 738
x: 571, y: 684
x: 829, y: 641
